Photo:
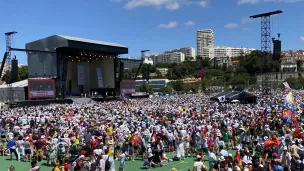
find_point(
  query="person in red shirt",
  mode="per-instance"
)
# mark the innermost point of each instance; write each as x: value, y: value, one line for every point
x: 39, y: 144
x: 66, y: 166
x: 93, y: 143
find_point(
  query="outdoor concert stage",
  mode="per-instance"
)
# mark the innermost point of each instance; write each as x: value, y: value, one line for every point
x: 78, y: 66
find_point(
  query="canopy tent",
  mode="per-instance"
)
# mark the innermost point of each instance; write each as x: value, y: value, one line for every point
x: 241, y: 96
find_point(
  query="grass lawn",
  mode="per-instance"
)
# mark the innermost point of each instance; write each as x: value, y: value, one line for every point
x: 136, y: 165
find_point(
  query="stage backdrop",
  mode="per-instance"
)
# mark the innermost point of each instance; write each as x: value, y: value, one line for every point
x: 90, y: 75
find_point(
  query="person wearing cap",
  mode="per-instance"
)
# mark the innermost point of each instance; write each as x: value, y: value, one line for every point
x: 199, y: 164
x: 285, y: 158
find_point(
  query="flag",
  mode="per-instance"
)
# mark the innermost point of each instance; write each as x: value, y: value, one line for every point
x: 287, y: 116
x: 238, y: 157
x: 297, y: 131
x: 286, y: 85
x: 265, y: 112
x: 290, y: 98
x: 180, y: 109
x: 293, y: 118
x: 222, y: 99
x: 271, y: 142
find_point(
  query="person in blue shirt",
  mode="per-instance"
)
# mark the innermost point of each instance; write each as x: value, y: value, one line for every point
x: 11, y: 145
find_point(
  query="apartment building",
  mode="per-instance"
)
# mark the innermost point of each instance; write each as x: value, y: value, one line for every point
x: 189, y: 52
x: 168, y: 57
x: 204, y: 38
x: 223, y: 51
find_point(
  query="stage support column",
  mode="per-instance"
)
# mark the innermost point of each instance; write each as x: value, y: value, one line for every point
x: 62, y: 66
x: 116, y: 76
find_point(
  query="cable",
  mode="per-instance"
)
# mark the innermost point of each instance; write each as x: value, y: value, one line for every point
x: 279, y: 24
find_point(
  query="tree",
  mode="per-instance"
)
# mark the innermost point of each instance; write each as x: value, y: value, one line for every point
x: 300, y: 65
x: 7, y: 77
x: 177, y: 85
x: 145, y: 88
x: 166, y: 90
x: 23, y: 72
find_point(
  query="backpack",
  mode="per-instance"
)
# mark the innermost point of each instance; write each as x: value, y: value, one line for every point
x: 108, y: 164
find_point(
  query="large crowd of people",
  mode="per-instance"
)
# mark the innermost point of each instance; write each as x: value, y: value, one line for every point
x: 266, y: 136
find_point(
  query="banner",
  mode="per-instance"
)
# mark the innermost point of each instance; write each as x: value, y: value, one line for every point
x: 222, y: 99
x: 80, y: 69
x: 99, y: 77
x: 127, y: 87
x: 41, y: 88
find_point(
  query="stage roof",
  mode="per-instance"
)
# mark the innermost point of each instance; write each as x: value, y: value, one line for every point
x: 61, y: 42
x: 23, y: 83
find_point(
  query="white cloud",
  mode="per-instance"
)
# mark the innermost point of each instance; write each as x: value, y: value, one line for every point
x: 172, y: 6
x: 286, y: 1
x: 246, y: 20
x: 171, y: 24
x: 231, y: 25
x: 241, y: 2
x: 189, y: 23
x: 169, y: 4
x: 302, y: 38
x: 204, y: 4
x: 140, y: 3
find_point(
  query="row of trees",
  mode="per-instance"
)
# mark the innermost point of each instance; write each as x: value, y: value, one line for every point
x: 22, y: 74
x: 296, y: 83
x: 251, y: 64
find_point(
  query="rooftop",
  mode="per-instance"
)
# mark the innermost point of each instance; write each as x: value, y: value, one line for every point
x: 91, y: 41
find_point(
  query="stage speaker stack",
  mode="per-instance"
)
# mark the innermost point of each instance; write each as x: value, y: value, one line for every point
x: 276, y: 50
x: 14, y: 70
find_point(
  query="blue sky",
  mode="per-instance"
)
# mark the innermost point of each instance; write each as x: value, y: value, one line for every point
x: 156, y: 25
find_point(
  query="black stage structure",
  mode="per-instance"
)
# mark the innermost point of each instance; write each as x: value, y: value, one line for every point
x: 266, y: 47
x: 50, y: 57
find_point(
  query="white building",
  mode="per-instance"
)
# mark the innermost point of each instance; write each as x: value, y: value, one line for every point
x: 189, y: 52
x: 204, y: 38
x: 223, y: 51
x: 148, y: 60
x: 172, y: 57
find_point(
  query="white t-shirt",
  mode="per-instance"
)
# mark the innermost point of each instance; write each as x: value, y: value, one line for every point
x: 198, y: 165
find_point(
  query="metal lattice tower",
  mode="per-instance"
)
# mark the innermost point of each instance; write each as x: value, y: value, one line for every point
x: 266, y: 46
x: 8, y: 39
x: 265, y: 34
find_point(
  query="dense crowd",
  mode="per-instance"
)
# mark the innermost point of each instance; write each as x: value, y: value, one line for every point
x: 221, y: 136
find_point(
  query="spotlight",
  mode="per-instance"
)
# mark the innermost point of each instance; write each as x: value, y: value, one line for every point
x: 78, y: 60
x: 76, y: 56
x: 99, y: 56
x: 81, y: 54
x: 69, y: 56
x: 88, y: 61
x: 72, y: 60
x: 90, y: 58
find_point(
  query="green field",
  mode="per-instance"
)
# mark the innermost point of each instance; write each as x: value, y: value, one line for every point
x: 136, y: 165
